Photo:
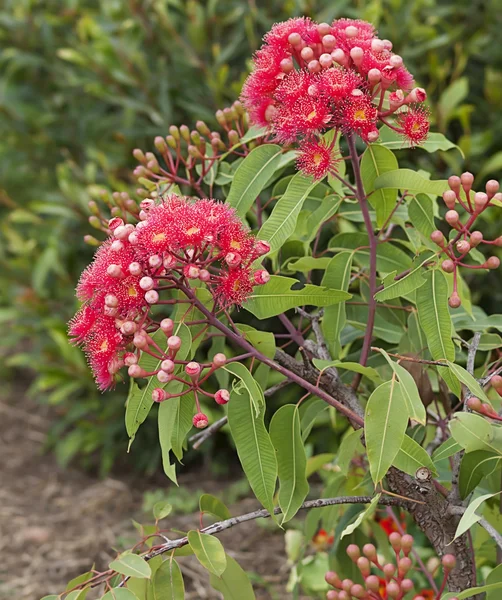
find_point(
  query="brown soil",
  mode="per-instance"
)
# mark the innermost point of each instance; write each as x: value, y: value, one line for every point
x: 55, y: 523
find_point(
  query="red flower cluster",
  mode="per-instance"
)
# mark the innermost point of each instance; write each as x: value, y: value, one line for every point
x: 174, y: 242
x: 309, y: 78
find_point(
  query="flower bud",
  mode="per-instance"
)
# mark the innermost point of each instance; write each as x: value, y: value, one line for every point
x: 353, y: 552
x: 143, y: 215
x: 168, y: 366
x: 191, y: 271
x: 111, y: 301
x: 219, y: 360
x: 233, y: 259
x: 159, y: 395
x: 403, y: 566
x: 121, y: 232
x: 372, y: 583
x: 496, y: 382
x: 363, y: 565
x: 204, y: 275
x: 351, y: 31
x: 314, y: 66
x: 146, y: 283
x: 467, y: 179
x: 395, y: 541
x: 396, y: 99
x: 287, y: 65
x: 407, y: 543
x: 200, y: 421
x: 167, y: 326
x: 174, y: 343
x: 369, y: 551
x: 438, y: 238
x: 193, y: 369
x: 114, y: 223
x: 323, y: 28
x: 407, y: 585
x: 91, y: 240
x: 357, y: 591
x: 396, y: 61
x: 115, y: 271
x: 175, y: 132
x: 416, y: 95
x: 129, y: 328
x: 325, y: 60
x: 480, y: 201
x: 294, y: 39
x: 307, y: 54
x: 222, y: 396
x: 332, y: 579
x: 454, y: 183
x: 448, y: 561
x: 152, y: 296
x: 329, y: 42
x: 140, y: 340
x: 448, y: 266
x: 357, y: 55
x: 454, y: 300
x: 347, y: 585
x: 169, y: 261
x: 463, y: 246
x: 155, y: 261
x: 130, y: 359
x: 164, y: 377
x: 339, y: 57
x: 160, y: 144
x: 377, y: 45
x: 389, y: 569
x: 492, y: 187
x: 261, y: 277
x: 184, y: 132
x: 117, y: 246
x: 475, y: 239
x: 452, y: 217
x: 332, y: 595
x: 492, y: 263
x: 374, y: 75
x: 343, y: 595
x: 139, y: 155
x: 393, y: 590
x: 136, y: 371
x: 450, y: 198
x: 171, y: 142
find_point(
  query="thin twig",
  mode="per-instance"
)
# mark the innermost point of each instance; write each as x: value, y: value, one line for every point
x: 492, y: 532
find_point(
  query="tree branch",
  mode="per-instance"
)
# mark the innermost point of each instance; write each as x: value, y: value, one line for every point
x: 492, y: 532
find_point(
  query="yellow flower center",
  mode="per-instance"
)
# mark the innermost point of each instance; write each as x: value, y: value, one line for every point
x: 159, y: 237
x: 317, y: 159
x: 132, y: 292
x: 235, y: 245
x: 360, y: 115
x: 312, y: 115
x: 192, y: 231
x: 104, y: 346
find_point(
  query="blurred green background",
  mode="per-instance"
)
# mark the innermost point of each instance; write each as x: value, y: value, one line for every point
x: 84, y: 82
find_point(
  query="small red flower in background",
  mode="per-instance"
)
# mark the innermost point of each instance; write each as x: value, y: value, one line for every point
x: 389, y: 525
x: 322, y: 540
x: 427, y: 594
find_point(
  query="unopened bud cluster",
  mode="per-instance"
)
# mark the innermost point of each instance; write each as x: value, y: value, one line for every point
x: 484, y: 408
x: 311, y: 77
x: 382, y: 580
x: 176, y: 245
x: 464, y: 238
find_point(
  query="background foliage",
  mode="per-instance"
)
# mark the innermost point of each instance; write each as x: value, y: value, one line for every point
x: 82, y: 83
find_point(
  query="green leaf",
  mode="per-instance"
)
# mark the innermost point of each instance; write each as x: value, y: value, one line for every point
x: 310, y: 409
x: 209, y: 552
x: 214, y: 506
x: 131, y: 565
x: 386, y: 418
x: 368, y: 372
x: 119, y: 594
x: 434, y: 142
x: 406, y: 179
x: 471, y: 592
x: 254, y: 447
x: 350, y: 443
x: 447, y: 449
x: 308, y: 263
x: 79, y: 580
x: 264, y: 341
x: 474, y: 467
x: 234, y: 584
x: 402, y: 287
x: 337, y: 276
x: 412, y: 456
x: 252, y: 175
x: 421, y: 214
x: 451, y: 98
x: 364, y: 515
x: 285, y: 433
x: 375, y: 161
x: 468, y: 380
x: 434, y: 317
x: 317, y: 462
x: 469, y: 518
x: 276, y: 297
x: 282, y: 221
x: 247, y: 382
x: 472, y: 432
x: 416, y: 408
x: 161, y: 510
x: 168, y: 581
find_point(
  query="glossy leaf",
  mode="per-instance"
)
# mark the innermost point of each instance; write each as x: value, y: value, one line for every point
x: 364, y: 515
x: 131, y: 565
x: 472, y: 432
x: 233, y: 583
x: 386, y: 418
x: 168, y: 581
x: 447, y: 449
x: 406, y: 179
x: 252, y: 175
x: 264, y: 341
x: 421, y: 214
x: 276, y: 297
x: 469, y: 518
x: 468, y: 380
x: 247, y: 382
x: 282, y: 221
x: 254, y: 447
x: 434, y: 142
x: 350, y: 443
x: 474, y: 467
x: 161, y: 510
x: 472, y: 592
x: 214, y: 506
x: 368, y: 372
x: 397, y: 288
x: 209, y: 551
x: 285, y: 433
x: 375, y: 161
x: 412, y: 456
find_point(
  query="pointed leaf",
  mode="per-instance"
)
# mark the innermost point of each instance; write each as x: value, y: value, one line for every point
x: 375, y: 161
x: 421, y: 214
x: 472, y: 432
x: 401, y: 287
x: 474, y: 467
x: 468, y: 380
x: 469, y: 518
x: 252, y: 175
x: 247, y: 382
x: 472, y: 592
x: 350, y: 443
x: 234, y: 584
x: 434, y: 142
x: 412, y: 456
x: 209, y: 551
x: 447, y: 449
x: 365, y: 514
x: 368, y: 372
x: 276, y: 297
x: 285, y: 433
x: 161, y: 510
x: 254, y: 447
x: 213, y: 506
x: 282, y: 221
x: 119, y: 594
x: 386, y: 418
x: 168, y: 581
x: 131, y: 565
x: 406, y: 179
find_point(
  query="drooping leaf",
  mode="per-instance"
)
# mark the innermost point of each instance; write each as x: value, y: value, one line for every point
x: 285, y: 433
x: 386, y: 418
x: 350, y: 443
x: 233, y: 583
x: 412, y: 456
x: 468, y: 380
x: 254, y: 447
x: 209, y: 551
x: 472, y: 432
x: 168, y: 581
x: 397, y: 288
x: 368, y: 372
x: 469, y: 518
x: 375, y: 161
x: 264, y: 341
x: 251, y: 176
x: 310, y: 409
x: 474, y: 467
x: 421, y: 214
x: 364, y: 515
x: 337, y: 276
x: 406, y: 179
x: 247, y: 382
x: 131, y: 565
x: 276, y: 297
x: 282, y: 221
x: 214, y: 506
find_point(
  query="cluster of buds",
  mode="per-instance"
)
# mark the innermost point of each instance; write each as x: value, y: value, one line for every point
x: 117, y: 204
x: 483, y: 408
x: 383, y: 581
x: 464, y: 239
x: 309, y: 78
x: 177, y: 244
x: 188, y: 155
